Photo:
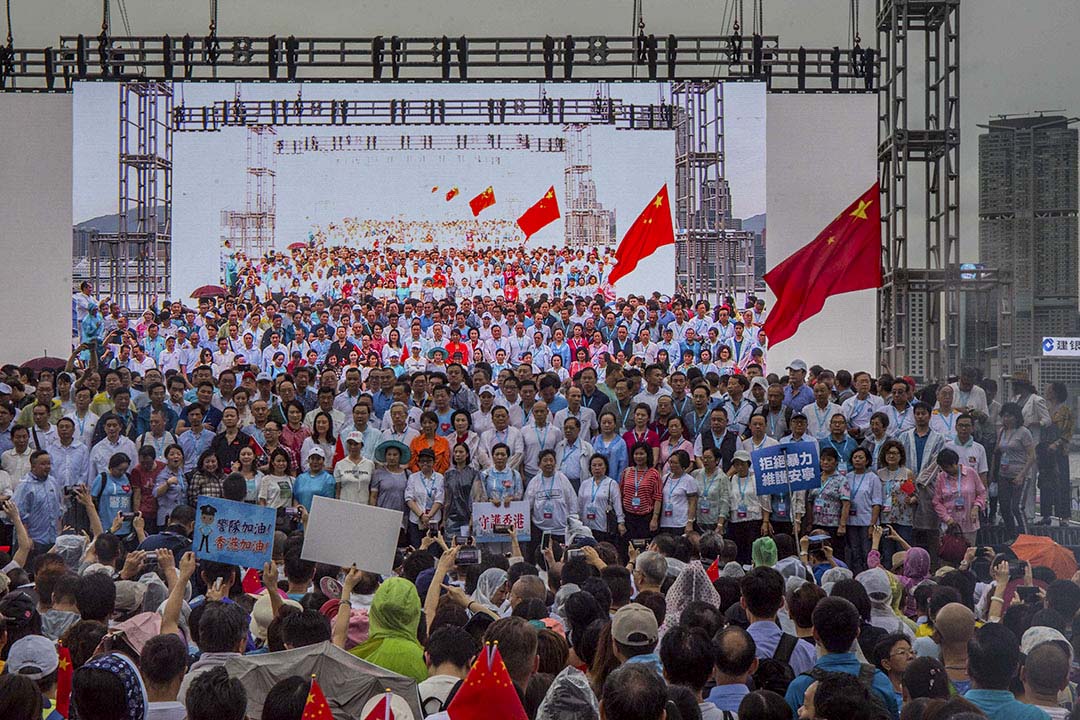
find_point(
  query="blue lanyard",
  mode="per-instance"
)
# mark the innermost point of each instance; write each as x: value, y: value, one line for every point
x: 595, y: 490
x: 708, y: 484
x: 742, y: 487
x: 855, y: 492
x: 540, y: 441
x: 570, y: 450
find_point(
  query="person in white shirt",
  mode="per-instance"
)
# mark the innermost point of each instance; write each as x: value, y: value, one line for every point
x: 503, y: 432
x: 16, y: 461
x: 424, y: 497
x: 899, y: 410
x: 679, y: 496
x: 967, y: 396
x: 654, y: 377
x: 552, y: 499
x: 862, y: 405
x: 538, y: 434
x: 353, y: 472
x: 85, y: 421
x: 971, y: 453
x: 598, y: 496
x: 943, y: 418
x: 819, y: 413
x: 573, y: 452
x: 42, y: 432
x: 112, y: 443
x: 585, y: 415
x: 481, y: 419
x: 70, y: 458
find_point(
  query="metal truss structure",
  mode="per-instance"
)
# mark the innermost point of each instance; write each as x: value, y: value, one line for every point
x: 693, y: 64
x: 430, y: 141
x: 132, y: 264
x: 919, y: 304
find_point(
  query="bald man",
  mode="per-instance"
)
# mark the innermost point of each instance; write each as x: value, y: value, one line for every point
x: 954, y: 625
x: 527, y: 587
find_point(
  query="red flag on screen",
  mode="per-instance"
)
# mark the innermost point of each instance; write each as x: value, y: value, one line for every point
x: 64, y: 673
x: 484, y: 200
x: 544, y: 212
x: 652, y: 230
x: 844, y: 257
x: 452, y: 193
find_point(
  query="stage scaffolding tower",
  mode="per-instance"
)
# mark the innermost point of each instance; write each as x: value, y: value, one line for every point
x: 131, y: 266
x: 919, y: 304
x: 704, y: 257
x: 251, y: 231
x: 588, y: 223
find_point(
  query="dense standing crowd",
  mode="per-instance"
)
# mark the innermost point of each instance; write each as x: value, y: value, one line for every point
x: 655, y: 582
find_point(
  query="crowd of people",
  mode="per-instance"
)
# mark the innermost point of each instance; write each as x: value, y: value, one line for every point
x: 654, y: 582
x: 428, y: 260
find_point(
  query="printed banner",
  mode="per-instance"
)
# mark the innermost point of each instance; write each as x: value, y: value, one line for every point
x: 788, y: 467
x: 487, y: 515
x: 233, y: 532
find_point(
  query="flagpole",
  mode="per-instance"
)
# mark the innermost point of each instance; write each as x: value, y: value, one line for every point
x: 791, y: 495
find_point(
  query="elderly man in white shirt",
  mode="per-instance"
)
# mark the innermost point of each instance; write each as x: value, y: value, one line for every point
x: 573, y: 453
x: 585, y: 415
x: 538, y: 434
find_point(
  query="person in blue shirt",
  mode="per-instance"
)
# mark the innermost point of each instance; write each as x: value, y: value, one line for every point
x: 39, y: 500
x: 797, y: 394
x: 993, y: 658
x: 316, y: 481
x: 735, y: 660
x: 836, y: 626
x: 112, y: 492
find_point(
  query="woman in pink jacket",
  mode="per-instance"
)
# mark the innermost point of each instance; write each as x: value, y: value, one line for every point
x: 959, y: 495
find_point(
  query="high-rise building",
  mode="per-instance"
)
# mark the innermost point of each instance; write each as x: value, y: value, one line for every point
x: 1028, y: 223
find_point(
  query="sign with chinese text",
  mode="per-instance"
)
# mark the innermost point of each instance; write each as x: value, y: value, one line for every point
x: 1061, y: 346
x: 486, y: 516
x: 789, y: 467
x: 233, y: 532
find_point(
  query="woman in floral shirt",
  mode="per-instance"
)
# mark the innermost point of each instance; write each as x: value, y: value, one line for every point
x: 826, y: 501
x: 899, y: 493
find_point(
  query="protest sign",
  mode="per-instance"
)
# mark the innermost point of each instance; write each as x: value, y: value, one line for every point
x: 344, y: 533
x: 787, y: 467
x: 487, y: 515
x: 233, y: 532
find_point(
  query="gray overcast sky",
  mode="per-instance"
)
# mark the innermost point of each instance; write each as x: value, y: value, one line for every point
x: 1015, y: 56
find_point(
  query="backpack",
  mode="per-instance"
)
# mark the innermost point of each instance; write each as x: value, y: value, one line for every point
x: 775, y: 673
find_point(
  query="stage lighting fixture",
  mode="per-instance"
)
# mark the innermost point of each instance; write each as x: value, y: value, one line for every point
x: 549, y: 58
x: 273, y: 57
x: 166, y: 57
x: 397, y: 47
x: 463, y: 57
x: 568, y: 57
x: 671, y: 52
x: 444, y: 57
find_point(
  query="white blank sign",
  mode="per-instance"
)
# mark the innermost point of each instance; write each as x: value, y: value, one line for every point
x: 343, y: 533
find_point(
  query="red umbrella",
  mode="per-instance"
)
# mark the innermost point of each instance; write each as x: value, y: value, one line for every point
x: 45, y: 363
x: 298, y: 246
x: 209, y: 291
x: 1042, y: 550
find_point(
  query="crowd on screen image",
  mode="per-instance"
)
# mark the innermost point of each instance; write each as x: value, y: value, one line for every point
x: 654, y: 580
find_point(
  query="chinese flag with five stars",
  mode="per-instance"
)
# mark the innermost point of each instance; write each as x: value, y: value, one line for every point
x: 484, y: 200
x: 844, y: 257
x: 714, y: 570
x: 383, y: 709
x: 64, y: 673
x: 487, y: 692
x: 544, y: 212
x: 316, y: 708
x: 651, y: 231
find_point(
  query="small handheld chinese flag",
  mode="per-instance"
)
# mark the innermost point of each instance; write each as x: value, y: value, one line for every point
x: 452, y: 193
x: 714, y: 570
x: 383, y: 709
x: 650, y: 232
x: 844, y: 257
x: 316, y: 708
x: 544, y: 212
x: 64, y: 672
x: 482, y: 201
x: 487, y: 692
x: 435, y: 189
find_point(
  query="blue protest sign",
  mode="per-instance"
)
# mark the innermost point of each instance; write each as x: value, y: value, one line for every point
x: 233, y: 532
x: 788, y: 467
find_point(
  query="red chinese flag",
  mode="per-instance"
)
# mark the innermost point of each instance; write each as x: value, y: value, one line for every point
x: 452, y: 193
x: 316, y: 708
x: 484, y: 200
x: 652, y: 230
x: 64, y: 671
x: 714, y: 570
x: 435, y: 189
x: 544, y: 212
x: 487, y: 692
x: 844, y: 257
